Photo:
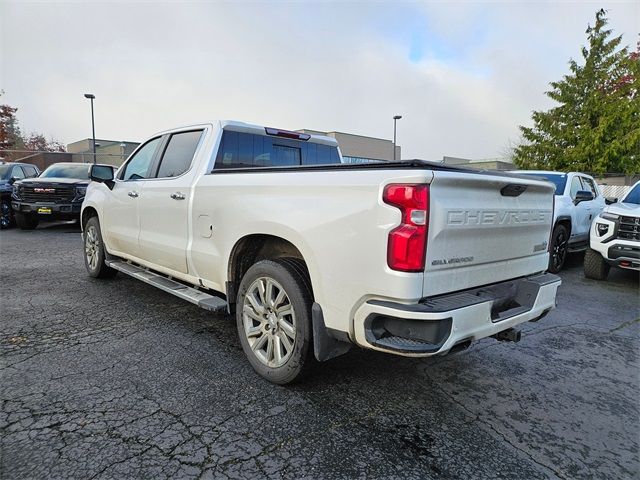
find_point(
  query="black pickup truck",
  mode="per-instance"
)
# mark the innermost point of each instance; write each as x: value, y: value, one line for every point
x: 9, y: 174
x: 57, y: 194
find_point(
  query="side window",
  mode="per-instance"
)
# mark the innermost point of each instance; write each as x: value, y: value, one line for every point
x: 30, y: 171
x: 138, y: 166
x: 17, y: 172
x: 179, y: 153
x: 590, y: 186
x: 576, y: 186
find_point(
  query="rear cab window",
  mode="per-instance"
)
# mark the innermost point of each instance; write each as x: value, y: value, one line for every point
x: 559, y: 180
x: 247, y: 150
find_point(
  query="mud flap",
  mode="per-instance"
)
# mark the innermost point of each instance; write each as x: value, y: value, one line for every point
x: 325, y: 345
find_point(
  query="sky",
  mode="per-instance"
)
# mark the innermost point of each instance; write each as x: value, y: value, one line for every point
x: 463, y: 75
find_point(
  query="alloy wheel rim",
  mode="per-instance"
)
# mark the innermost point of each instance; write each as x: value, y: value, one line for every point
x: 559, y: 250
x: 91, y: 247
x: 5, y: 214
x: 269, y: 322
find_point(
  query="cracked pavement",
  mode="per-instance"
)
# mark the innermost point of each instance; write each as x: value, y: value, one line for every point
x: 116, y: 379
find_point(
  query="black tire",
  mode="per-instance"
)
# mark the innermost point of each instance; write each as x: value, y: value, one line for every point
x: 291, y: 275
x: 7, y: 219
x: 93, y: 248
x: 558, y: 249
x: 594, y: 266
x: 26, y: 221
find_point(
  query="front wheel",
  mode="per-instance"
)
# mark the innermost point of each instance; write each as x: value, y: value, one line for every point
x: 6, y: 215
x: 94, y: 253
x: 594, y: 266
x: 273, y: 316
x: 558, y: 250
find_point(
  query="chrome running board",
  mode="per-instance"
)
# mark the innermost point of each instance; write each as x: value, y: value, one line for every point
x: 193, y: 295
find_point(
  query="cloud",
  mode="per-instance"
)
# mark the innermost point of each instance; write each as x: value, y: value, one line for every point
x: 463, y: 75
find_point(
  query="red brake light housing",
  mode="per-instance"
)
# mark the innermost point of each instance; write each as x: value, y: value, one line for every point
x: 277, y: 132
x: 407, y: 244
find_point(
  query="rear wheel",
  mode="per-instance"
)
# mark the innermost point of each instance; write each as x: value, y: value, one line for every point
x: 94, y: 253
x: 558, y: 250
x: 26, y: 221
x: 273, y: 316
x: 594, y: 265
x: 6, y: 215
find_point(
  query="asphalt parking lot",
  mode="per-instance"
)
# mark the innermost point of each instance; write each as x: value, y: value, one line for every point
x: 115, y: 379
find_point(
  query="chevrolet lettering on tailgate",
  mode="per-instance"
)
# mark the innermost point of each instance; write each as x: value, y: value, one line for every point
x: 497, y: 217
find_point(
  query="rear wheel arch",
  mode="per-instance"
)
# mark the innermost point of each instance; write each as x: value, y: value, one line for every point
x: 256, y: 247
x: 565, y: 222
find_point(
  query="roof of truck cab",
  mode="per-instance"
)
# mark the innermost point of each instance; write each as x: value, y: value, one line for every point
x: 237, y: 126
x: 260, y: 129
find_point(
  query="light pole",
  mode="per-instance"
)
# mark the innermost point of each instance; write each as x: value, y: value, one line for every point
x: 91, y: 97
x: 395, y: 119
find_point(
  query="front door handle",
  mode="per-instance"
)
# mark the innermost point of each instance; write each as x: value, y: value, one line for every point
x: 133, y: 194
x: 178, y: 196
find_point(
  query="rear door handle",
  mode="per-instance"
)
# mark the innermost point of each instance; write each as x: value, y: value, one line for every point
x: 178, y: 196
x: 133, y: 194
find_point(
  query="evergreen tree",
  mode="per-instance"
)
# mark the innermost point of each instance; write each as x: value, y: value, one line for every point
x: 596, y: 126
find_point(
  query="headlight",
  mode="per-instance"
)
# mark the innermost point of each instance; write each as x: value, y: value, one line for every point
x: 609, y: 216
x: 81, y: 191
x: 602, y: 229
x: 15, y: 192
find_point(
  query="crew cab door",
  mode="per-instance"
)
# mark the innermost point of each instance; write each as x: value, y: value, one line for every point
x: 582, y: 217
x: 164, y: 202
x: 120, y: 221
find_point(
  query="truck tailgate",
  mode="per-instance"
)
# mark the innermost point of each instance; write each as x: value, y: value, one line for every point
x: 485, y: 228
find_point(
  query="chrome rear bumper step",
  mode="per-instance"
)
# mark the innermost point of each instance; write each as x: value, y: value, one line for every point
x: 193, y: 295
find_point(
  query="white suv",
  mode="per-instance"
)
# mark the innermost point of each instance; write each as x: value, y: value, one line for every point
x: 577, y: 203
x: 615, y: 237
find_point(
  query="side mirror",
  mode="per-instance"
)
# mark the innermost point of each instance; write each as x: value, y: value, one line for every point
x: 13, y: 180
x: 103, y: 174
x: 609, y: 201
x: 583, y: 196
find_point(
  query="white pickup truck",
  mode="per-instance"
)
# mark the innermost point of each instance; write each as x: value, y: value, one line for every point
x: 313, y: 255
x: 577, y: 203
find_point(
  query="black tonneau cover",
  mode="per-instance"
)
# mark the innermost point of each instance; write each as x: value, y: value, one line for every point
x: 382, y: 165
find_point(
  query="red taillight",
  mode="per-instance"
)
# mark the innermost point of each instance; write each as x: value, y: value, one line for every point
x: 407, y: 247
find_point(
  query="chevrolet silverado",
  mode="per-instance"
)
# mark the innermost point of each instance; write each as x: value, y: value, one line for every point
x: 314, y: 255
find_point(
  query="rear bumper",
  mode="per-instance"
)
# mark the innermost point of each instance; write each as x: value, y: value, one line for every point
x: 59, y: 211
x: 435, y: 325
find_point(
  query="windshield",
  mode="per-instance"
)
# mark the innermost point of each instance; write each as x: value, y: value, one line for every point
x: 558, y: 179
x: 633, y: 196
x: 80, y: 171
x: 4, y: 171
